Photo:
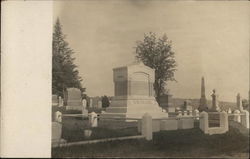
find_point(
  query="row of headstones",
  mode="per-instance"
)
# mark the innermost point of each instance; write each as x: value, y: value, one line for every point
x: 91, y: 116
x: 58, y: 101
x: 215, y: 102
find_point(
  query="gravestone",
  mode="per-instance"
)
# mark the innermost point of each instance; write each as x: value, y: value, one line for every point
x: 55, y: 101
x: 60, y: 101
x: 229, y: 111
x: 74, y: 99
x: 93, y: 119
x: 196, y: 113
x: 90, y: 103
x: 134, y: 93
x: 238, y: 102
x: 84, y: 110
x: 99, y: 105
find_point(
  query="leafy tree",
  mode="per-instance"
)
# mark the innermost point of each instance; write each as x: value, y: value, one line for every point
x: 105, y: 101
x: 157, y: 54
x: 64, y: 71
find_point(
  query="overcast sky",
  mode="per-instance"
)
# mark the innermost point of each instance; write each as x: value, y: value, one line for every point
x: 210, y: 39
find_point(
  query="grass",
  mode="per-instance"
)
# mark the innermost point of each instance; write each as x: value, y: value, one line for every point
x: 73, y: 129
x: 179, y: 143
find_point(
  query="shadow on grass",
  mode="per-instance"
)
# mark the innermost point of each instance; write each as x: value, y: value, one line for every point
x: 179, y: 143
x: 73, y: 129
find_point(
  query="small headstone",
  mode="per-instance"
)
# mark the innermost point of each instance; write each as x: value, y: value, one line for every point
x: 84, y: 103
x: 93, y: 119
x: 99, y: 104
x: 185, y: 113
x: 196, y: 114
x: 179, y: 113
x: 60, y: 101
x: 90, y: 103
x: 237, y: 116
x: 58, y: 116
x: 229, y: 111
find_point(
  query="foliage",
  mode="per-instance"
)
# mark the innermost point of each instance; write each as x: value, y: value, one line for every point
x: 105, y: 101
x: 64, y: 71
x: 157, y: 54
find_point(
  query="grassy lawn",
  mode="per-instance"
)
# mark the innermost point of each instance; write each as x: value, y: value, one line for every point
x: 73, y: 129
x: 179, y: 143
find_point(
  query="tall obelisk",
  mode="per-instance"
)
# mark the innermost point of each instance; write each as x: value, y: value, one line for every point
x: 203, y: 100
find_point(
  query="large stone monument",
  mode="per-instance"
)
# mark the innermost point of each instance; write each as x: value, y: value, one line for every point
x: 134, y: 93
x: 203, y: 100
x: 74, y: 99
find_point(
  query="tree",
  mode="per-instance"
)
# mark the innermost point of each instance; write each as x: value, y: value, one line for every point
x: 64, y: 71
x: 157, y: 54
x: 105, y: 101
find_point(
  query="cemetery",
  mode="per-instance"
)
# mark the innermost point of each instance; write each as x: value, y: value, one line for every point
x: 135, y: 122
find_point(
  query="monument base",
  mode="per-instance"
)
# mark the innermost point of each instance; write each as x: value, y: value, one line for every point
x: 132, y: 107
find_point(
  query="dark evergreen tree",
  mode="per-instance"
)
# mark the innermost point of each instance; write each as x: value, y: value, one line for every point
x: 64, y: 71
x: 105, y: 101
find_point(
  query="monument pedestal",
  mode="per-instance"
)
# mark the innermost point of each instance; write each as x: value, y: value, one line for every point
x: 134, y: 94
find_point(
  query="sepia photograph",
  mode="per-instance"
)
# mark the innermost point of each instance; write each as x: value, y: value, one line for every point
x: 129, y: 79
x: 150, y: 79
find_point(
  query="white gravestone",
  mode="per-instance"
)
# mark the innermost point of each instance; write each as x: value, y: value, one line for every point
x: 147, y: 126
x: 74, y: 99
x: 185, y: 113
x: 179, y: 113
x: 90, y: 103
x: 60, y: 101
x: 229, y: 111
x: 84, y: 110
x: 93, y: 119
x: 99, y: 105
x: 196, y: 114
x: 237, y: 116
x: 58, y: 116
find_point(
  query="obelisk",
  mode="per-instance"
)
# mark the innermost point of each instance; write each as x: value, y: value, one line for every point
x: 203, y: 100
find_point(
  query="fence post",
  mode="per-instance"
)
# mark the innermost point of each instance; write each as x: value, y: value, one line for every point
x: 237, y: 116
x: 204, y: 122
x: 245, y: 119
x: 224, y: 120
x: 147, y: 126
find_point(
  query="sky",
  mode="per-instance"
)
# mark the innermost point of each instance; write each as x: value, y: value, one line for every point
x: 210, y: 39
